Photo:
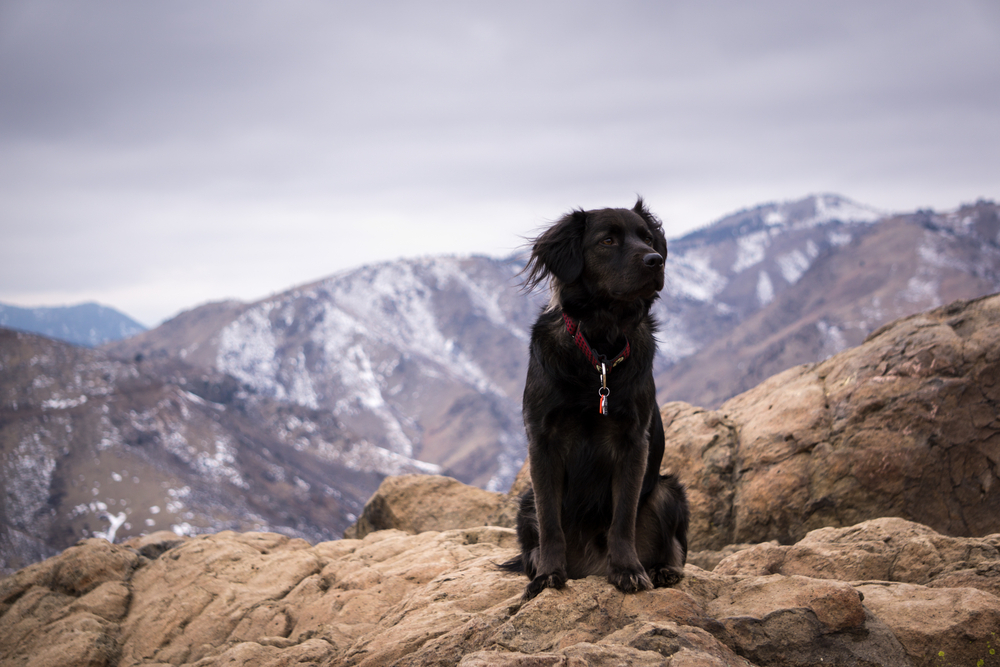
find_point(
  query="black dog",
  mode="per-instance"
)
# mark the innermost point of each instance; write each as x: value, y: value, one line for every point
x: 598, y: 505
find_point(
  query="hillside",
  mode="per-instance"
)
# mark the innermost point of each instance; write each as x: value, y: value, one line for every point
x: 787, y: 284
x: 424, y: 358
x: 287, y: 413
x: 92, y: 445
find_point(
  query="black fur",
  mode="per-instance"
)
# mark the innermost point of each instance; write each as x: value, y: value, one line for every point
x: 598, y: 504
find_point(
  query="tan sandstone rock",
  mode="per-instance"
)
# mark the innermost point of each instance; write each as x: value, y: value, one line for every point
x: 881, y: 549
x: 950, y: 626
x: 904, y: 425
x: 415, y: 503
x: 437, y: 598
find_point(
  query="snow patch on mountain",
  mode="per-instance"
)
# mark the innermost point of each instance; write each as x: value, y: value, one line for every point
x: 752, y: 248
x: 690, y: 275
x: 63, y: 403
x: 247, y: 351
x: 793, y: 265
x: 27, y: 473
x: 672, y: 340
x: 485, y: 298
x: 400, y: 313
x: 834, y: 207
x: 366, y: 456
x: 509, y: 460
x: 765, y: 289
x: 838, y: 237
x: 921, y: 289
x: 833, y: 339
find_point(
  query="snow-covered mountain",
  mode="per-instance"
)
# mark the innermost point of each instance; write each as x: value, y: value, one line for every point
x: 783, y: 284
x: 720, y: 274
x: 424, y: 359
x: 284, y: 414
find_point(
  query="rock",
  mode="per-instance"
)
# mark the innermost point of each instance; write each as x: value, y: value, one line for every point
x: 709, y: 559
x: 904, y: 425
x: 644, y: 646
x: 954, y: 626
x: 438, y: 598
x: 778, y: 620
x: 416, y: 503
x: 882, y: 550
x: 67, y: 610
x: 701, y: 449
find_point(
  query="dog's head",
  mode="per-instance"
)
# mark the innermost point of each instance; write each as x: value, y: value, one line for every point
x: 611, y: 254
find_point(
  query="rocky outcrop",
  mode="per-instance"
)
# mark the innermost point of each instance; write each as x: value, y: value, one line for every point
x: 417, y: 503
x: 904, y: 425
x: 875, y: 594
x: 938, y: 594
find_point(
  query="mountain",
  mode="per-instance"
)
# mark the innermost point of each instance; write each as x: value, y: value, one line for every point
x: 94, y: 446
x: 785, y: 284
x: 87, y: 324
x: 285, y: 414
x: 424, y: 358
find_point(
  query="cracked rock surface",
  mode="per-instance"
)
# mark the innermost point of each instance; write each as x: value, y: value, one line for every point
x: 906, y: 425
x: 840, y: 596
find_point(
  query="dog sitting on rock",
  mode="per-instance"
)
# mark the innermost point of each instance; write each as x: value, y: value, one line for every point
x: 598, y: 503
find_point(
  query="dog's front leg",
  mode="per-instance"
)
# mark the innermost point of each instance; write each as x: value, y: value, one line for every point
x: 624, y: 569
x: 550, y: 560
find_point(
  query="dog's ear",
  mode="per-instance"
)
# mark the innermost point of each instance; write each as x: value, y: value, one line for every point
x: 558, y: 251
x: 655, y: 227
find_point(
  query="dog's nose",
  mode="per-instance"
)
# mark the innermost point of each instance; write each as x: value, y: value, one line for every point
x: 652, y: 260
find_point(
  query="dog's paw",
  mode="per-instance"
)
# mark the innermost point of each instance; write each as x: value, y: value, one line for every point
x: 665, y: 576
x: 630, y: 580
x: 541, y: 582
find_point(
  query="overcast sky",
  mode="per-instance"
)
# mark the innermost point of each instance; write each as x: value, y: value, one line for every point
x: 157, y: 155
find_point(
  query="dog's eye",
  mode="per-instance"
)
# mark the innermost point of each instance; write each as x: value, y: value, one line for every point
x: 648, y: 240
x: 608, y: 241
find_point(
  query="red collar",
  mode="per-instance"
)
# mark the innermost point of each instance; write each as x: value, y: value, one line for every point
x: 596, y: 359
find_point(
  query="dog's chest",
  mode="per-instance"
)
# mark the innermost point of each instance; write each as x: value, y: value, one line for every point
x: 595, y: 438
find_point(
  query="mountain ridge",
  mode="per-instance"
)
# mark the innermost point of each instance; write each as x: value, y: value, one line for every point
x: 313, y: 395
x: 88, y: 324
x: 425, y: 357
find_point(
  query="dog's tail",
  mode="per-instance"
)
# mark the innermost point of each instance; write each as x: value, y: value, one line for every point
x: 515, y: 565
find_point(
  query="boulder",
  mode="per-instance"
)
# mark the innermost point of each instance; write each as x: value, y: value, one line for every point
x: 951, y: 626
x: 777, y: 620
x: 905, y: 425
x: 438, y: 598
x: 416, y: 503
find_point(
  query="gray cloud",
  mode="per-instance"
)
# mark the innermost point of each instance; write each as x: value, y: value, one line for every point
x: 158, y: 155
